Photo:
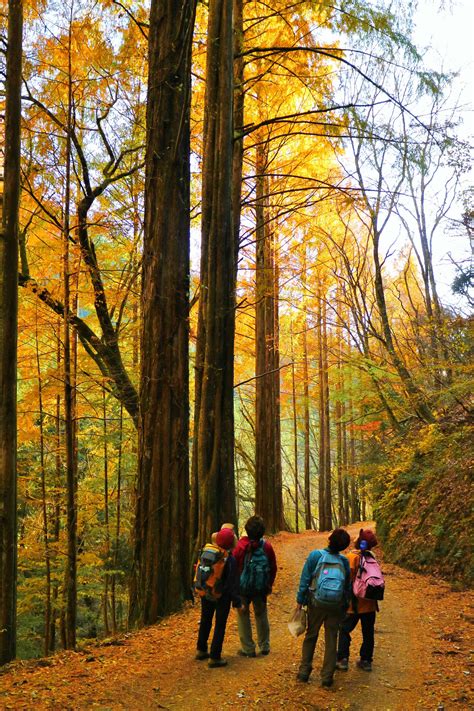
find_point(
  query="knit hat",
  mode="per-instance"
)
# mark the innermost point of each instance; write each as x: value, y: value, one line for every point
x: 225, y: 538
x: 365, y: 534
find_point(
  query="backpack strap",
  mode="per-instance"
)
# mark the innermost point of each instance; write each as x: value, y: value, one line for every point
x: 248, y: 552
x: 250, y: 549
x: 363, y: 555
x: 319, y: 564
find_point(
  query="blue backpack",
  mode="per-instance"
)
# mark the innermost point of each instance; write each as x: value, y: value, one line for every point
x: 255, y: 576
x: 327, y: 586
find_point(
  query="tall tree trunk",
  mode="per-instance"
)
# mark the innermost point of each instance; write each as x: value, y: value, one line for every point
x: 327, y: 427
x: 238, y: 119
x: 354, y: 509
x: 238, y: 144
x: 8, y: 333
x: 214, y: 417
x: 295, y: 428
x: 278, y: 493
x: 237, y: 161
x: 160, y: 580
x: 106, y: 513
x: 307, y: 429
x: 44, y: 502
x: 56, y: 518
x: 339, y: 464
x: 69, y: 413
x: 268, y: 496
x: 322, y: 423
x: 118, y: 513
x: 345, y: 466
x: 341, y: 426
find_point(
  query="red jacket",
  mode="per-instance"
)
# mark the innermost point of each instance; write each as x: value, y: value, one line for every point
x: 241, y: 549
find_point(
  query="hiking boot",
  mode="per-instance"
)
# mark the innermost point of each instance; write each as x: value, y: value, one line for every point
x: 302, y: 677
x: 265, y: 652
x: 213, y: 663
x: 364, y: 664
x: 326, y: 683
x: 201, y: 655
x: 342, y: 664
x: 241, y: 653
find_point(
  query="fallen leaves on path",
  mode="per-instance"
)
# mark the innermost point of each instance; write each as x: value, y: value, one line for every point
x: 423, y: 642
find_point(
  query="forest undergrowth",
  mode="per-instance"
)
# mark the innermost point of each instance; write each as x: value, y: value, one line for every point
x: 423, y: 641
x: 422, y: 489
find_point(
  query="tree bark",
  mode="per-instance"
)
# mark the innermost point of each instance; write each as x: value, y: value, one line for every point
x: 214, y: 415
x: 307, y: 429
x: 160, y: 577
x: 118, y: 514
x: 268, y: 494
x: 295, y: 429
x: 44, y: 502
x: 339, y: 447
x: 70, y: 584
x: 106, y: 514
x: 8, y: 333
x: 327, y: 427
x: 322, y: 423
x: 58, y: 485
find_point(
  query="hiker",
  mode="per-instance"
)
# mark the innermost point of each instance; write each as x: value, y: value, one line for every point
x: 217, y: 582
x: 325, y: 589
x: 361, y: 608
x: 257, y: 568
x: 232, y: 528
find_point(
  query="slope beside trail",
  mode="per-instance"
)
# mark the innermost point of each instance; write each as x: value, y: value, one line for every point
x: 421, y: 658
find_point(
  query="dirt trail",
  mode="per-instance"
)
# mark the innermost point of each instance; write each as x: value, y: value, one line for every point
x: 421, y: 658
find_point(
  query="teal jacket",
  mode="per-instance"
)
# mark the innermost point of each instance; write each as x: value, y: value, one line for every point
x: 308, y: 571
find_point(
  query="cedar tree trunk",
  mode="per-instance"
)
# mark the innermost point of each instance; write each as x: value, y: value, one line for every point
x: 160, y: 580
x: 8, y: 334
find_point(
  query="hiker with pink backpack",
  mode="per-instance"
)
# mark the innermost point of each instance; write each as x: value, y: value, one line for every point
x: 367, y: 589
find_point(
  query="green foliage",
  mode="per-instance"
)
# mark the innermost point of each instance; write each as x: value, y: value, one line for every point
x: 463, y: 283
x: 369, y: 21
x: 422, y: 496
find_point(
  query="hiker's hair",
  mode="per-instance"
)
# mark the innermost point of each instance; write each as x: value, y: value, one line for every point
x: 365, y: 534
x: 255, y: 528
x: 339, y: 539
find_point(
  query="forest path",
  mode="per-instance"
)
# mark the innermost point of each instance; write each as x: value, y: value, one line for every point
x: 421, y: 658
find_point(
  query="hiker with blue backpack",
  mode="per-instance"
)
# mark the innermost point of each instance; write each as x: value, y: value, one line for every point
x: 216, y: 582
x: 257, y: 567
x: 367, y: 589
x: 325, y: 588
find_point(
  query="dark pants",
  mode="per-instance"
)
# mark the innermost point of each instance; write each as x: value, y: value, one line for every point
x: 331, y: 621
x: 367, y: 621
x: 221, y: 609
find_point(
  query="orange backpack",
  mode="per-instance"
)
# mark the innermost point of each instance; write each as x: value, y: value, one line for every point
x: 209, y: 569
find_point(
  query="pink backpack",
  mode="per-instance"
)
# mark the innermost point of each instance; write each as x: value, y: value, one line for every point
x: 369, y: 583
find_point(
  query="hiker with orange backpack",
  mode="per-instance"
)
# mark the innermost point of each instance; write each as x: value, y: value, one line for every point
x: 258, y: 568
x: 367, y: 589
x: 216, y: 581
